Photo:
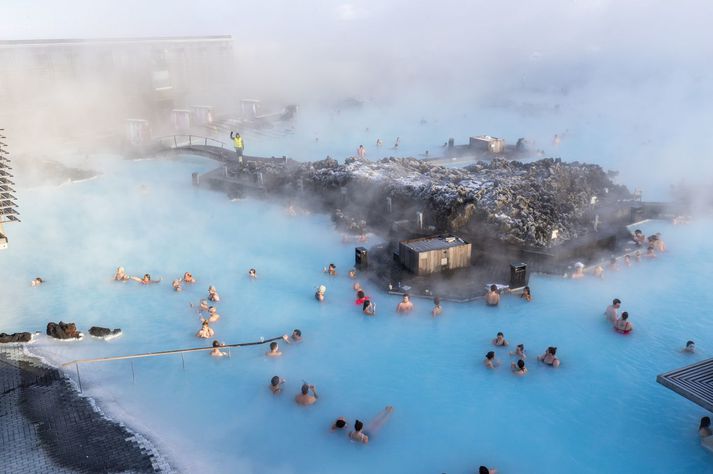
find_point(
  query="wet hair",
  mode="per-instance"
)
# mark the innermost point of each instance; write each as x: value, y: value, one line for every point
x: 273, y: 345
x: 705, y: 422
x: 527, y: 290
x: 638, y: 231
x: 331, y: 265
x: 216, y: 344
x: 552, y: 350
x: 366, y: 304
x: 624, y: 315
x: 361, y: 294
x: 521, y: 347
x: 689, y: 343
x: 275, y: 381
x: 406, y: 295
x: 493, y: 288
x: 304, y: 389
x: 340, y: 423
x: 520, y: 364
x: 147, y: 276
x: 490, y: 355
x: 358, y: 425
x: 252, y: 270
x: 501, y: 334
x: 297, y: 332
x: 616, y: 301
x: 437, y: 300
x: 483, y: 470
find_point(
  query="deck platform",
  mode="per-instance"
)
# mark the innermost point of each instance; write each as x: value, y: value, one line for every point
x: 694, y: 382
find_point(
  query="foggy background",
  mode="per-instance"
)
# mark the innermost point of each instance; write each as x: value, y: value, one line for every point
x: 629, y: 82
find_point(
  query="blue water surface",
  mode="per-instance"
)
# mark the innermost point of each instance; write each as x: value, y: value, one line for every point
x: 601, y: 411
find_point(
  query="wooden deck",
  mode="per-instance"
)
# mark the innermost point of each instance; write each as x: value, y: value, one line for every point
x: 694, y: 382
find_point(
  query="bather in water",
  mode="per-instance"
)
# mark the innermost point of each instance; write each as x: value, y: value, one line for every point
x: 145, y: 280
x: 304, y: 398
x: 188, y: 278
x: 492, y: 297
x: 550, y: 357
x: 121, y: 275
x: 319, y: 295
x: 177, y: 285
x: 405, y: 306
x: 519, y: 368
x: 213, y: 294
x: 216, y: 352
x: 490, y: 361
x: 500, y: 340
x: 274, y: 350
x: 205, y: 331
x: 362, y: 435
x: 276, y: 384
x: 519, y: 352
x: 37, y: 281
x: 437, y: 309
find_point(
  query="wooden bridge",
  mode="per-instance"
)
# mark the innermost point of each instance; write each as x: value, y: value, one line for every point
x: 207, y: 147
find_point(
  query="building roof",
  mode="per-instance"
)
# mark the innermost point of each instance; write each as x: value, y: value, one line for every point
x: 486, y: 138
x: 440, y: 242
x: 104, y: 41
x: 694, y: 382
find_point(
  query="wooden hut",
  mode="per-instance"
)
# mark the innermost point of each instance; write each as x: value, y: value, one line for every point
x: 434, y: 254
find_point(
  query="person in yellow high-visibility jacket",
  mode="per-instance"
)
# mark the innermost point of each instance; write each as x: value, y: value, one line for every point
x: 238, y: 144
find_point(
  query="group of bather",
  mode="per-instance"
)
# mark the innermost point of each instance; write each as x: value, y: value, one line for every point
x: 653, y: 244
x: 549, y: 357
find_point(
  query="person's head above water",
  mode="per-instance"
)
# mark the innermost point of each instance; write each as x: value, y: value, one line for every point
x: 216, y: 344
x: 273, y: 346
x: 552, y: 350
x: 275, y: 381
x: 147, y: 276
x: 304, y: 389
x: 296, y: 333
x: 340, y: 423
x: 490, y: 355
x: 358, y: 425
x: 366, y: 304
x: 437, y: 301
x: 405, y: 298
x: 521, y: 347
x: 690, y: 343
x: 625, y: 315
x: 520, y: 364
x: 360, y: 294
x: 483, y: 470
x: 500, y: 334
x: 705, y: 422
x: 493, y: 287
x: 616, y: 302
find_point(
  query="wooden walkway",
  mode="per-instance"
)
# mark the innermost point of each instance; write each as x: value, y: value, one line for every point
x: 694, y: 382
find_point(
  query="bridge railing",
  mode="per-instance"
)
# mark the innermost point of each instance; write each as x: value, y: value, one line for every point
x: 162, y: 353
x: 182, y: 141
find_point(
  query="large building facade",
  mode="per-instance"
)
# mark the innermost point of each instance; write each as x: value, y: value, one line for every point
x: 68, y: 88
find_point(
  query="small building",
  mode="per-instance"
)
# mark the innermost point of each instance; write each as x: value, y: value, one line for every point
x: 487, y: 143
x: 434, y: 254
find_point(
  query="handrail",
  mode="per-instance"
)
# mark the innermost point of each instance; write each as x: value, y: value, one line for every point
x: 191, y: 139
x: 162, y: 353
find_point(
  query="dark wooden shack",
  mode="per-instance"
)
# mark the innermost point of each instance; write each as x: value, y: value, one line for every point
x: 434, y: 254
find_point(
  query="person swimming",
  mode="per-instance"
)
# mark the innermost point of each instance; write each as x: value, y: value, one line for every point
x: 500, y: 340
x: 145, y: 280
x: 362, y: 435
x: 368, y: 308
x: 550, y: 357
x: 319, y: 295
x: 520, y: 352
x: 690, y: 347
x: 704, y: 428
x: 275, y: 384
x: 213, y: 294
x: 274, y: 350
x: 205, y: 331
x: 405, y: 306
x: 519, y: 368
x: 611, y: 311
x: 304, y: 398
x: 526, y: 295
x: 492, y: 297
x: 177, y: 285
x: 622, y: 325
x: 216, y: 352
x: 339, y: 424
x: 121, y: 275
x: 360, y: 297
x: 490, y: 361
x: 252, y: 273
x: 437, y: 309
x: 188, y: 278
x: 213, y: 315
x: 37, y: 281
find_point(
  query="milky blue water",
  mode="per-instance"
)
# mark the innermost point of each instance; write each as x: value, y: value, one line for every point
x: 602, y: 411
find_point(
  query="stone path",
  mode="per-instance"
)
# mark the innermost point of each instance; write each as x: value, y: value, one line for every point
x: 47, y: 427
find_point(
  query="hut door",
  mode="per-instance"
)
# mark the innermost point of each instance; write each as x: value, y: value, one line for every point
x: 444, y: 260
